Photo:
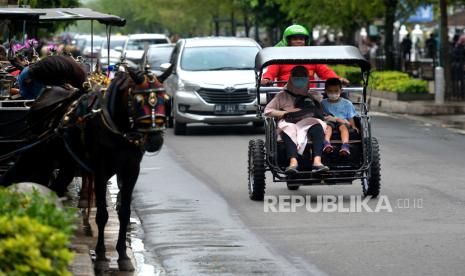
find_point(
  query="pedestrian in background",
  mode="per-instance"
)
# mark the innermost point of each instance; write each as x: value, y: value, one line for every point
x: 406, y: 47
x: 431, y: 46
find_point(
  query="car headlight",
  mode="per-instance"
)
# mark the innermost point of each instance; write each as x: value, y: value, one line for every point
x: 187, y: 86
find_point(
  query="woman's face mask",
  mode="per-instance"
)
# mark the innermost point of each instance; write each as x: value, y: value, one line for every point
x: 299, y: 82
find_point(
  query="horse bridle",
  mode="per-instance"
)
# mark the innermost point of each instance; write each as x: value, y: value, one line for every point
x: 151, y: 100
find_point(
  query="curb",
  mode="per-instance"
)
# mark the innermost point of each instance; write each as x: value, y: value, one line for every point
x: 83, y: 244
x: 422, y: 108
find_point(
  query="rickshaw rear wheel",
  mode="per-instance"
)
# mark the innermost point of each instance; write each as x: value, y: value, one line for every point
x: 256, y: 169
x: 372, y: 185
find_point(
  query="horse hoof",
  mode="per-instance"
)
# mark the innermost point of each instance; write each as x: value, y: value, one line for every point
x: 101, y: 265
x: 125, y: 265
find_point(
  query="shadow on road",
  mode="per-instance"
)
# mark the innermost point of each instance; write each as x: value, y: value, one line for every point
x: 238, y: 130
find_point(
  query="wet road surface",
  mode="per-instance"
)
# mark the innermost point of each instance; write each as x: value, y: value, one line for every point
x: 193, y: 204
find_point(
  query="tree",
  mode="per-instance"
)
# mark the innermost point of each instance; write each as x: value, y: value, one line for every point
x: 51, y: 28
x: 347, y: 16
x: 390, y: 7
x: 395, y: 10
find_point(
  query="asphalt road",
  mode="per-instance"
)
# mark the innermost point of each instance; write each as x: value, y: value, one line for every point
x: 193, y: 204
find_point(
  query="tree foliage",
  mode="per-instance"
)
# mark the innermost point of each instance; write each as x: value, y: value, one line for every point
x: 347, y: 16
x: 52, y: 28
x: 186, y: 17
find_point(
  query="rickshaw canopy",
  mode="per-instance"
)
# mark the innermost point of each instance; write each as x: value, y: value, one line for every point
x: 347, y: 55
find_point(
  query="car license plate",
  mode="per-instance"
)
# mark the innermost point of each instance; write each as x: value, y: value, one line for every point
x: 230, y: 109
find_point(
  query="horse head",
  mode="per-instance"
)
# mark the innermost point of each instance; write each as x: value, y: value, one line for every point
x: 135, y: 103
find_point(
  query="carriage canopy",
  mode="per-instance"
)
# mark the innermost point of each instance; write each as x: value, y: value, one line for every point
x: 72, y: 14
x: 348, y: 55
x: 60, y: 14
x: 20, y: 14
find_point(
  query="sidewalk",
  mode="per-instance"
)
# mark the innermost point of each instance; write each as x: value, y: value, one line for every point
x: 449, y: 114
x: 84, y: 243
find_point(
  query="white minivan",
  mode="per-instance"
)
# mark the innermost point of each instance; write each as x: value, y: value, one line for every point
x: 209, y: 81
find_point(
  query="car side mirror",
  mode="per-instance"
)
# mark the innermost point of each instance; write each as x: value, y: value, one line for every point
x: 118, y: 48
x: 165, y: 66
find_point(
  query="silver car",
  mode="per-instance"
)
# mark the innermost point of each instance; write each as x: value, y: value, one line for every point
x: 209, y: 81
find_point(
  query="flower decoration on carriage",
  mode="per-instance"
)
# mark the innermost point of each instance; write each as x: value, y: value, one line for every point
x: 52, y: 49
x: 32, y: 43
x: 24, y: 50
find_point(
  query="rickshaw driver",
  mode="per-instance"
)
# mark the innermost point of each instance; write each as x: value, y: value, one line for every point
x: 296, y: 35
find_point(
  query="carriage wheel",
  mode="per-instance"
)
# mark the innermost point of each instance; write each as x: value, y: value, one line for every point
x: 372, y: 184
x: 292, y: 187
x: 256, y: 169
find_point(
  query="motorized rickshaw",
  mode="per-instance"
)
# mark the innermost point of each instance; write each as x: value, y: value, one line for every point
x: 269, y: 154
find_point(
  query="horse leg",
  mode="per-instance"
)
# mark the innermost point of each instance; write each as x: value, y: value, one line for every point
x: 101, y: 218
x: 127, y: 180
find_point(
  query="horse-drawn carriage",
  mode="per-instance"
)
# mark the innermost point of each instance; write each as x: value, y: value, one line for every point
x: 270, y: 154
x: 13, y: 108
x: 94, y: 130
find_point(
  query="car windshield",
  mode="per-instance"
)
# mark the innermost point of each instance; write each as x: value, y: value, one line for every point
x: 158, y: 55
x: 139, y: 44
x: 218, y: 58
x: 114, y: 44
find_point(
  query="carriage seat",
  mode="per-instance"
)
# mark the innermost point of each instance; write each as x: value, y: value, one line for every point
x: 354, y: 137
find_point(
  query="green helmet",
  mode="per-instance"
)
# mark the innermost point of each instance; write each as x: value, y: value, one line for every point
x: 294, y: 30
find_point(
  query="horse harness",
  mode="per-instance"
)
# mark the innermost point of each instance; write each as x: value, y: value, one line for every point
x: 146, y: 110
